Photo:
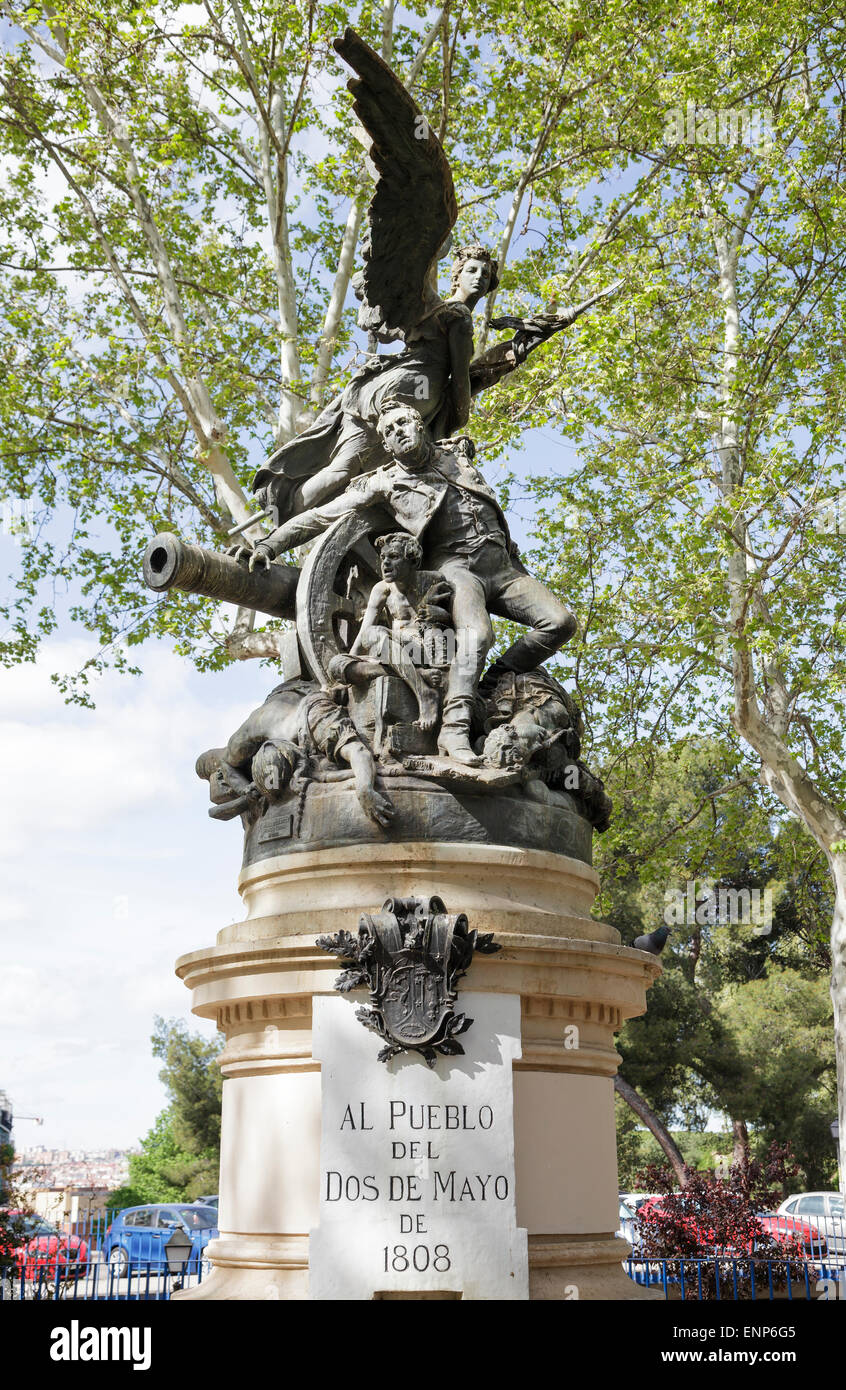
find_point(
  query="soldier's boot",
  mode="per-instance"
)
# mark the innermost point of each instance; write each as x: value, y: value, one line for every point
x: 454, y: 737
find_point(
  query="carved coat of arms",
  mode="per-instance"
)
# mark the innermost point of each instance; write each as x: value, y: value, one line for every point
x: 411, y: 956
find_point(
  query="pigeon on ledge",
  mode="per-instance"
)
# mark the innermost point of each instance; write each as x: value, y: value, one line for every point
x: 654, y: 942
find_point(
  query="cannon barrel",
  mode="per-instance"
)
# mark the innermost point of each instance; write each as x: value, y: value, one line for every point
x: 170, y: 563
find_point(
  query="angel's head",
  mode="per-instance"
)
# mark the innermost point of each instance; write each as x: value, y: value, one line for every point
x: 475, y: 273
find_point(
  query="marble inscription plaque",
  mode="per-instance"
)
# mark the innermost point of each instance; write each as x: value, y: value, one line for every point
x: 416, y: 1164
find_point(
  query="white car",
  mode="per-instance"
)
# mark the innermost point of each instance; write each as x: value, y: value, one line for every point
x: 634, y: 1200
x: 627, y: 1226
x: 825, y: 1211
x: 630, y: 1202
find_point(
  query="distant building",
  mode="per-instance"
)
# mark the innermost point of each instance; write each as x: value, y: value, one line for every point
x: 41, y: 1167
x: 5, y: 1136
x: 68, y: 1204
x: 5, y: 1119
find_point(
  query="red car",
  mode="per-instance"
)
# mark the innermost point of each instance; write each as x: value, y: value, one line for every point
x: 789, y: 1230
x: 45, y: 1252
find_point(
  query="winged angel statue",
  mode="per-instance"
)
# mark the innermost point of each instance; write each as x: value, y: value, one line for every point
x: 409, y: 225
x: 393, y: 602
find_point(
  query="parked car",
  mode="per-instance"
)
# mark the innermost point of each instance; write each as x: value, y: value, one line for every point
x: 205, y: 1202
x: 628, y: 1226
x: 137, y: 1237
x: 45, y: 1252
x: 635, y: 1200
x: 789, y: 1230
x: 825, y: 1211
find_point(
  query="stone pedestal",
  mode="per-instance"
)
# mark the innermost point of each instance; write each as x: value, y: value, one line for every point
x: 576, y: 983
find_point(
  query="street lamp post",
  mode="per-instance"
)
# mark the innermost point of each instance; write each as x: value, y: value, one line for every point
x: 178, y: 1251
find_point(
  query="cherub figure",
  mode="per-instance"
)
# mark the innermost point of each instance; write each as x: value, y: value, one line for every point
x: 403, y: 626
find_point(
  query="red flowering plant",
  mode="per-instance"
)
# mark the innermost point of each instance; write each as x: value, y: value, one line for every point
x: 11, y: 1221
x: 713, y: 1231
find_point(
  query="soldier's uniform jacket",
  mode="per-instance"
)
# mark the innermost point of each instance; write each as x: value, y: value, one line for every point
x: 413, y: 497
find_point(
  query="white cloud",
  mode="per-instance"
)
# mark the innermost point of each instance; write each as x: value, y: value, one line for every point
x: 75, y: 770
x: 112, y: 869
x: 14, y: 910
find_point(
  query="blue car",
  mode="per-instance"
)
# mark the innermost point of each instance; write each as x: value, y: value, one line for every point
x: 137, y: 1237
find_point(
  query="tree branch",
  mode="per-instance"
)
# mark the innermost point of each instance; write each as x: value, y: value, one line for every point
x: 648, y: 1117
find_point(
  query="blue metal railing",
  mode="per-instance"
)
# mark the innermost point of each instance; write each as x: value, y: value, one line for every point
x: 59, y: 1272
x: 95, y: 1281
x: 818, y: 1272
x: 57, y: 1267
x: 729, y: 1278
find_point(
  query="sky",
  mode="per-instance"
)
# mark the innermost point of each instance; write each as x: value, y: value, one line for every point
x: 111, y: 869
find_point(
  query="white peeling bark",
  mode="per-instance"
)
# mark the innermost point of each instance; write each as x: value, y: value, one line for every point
x: 290, y: 405
x: 551, y: 117
x: 837, y: 866
x: 335, y: 308
x: 244, y: 645
x: 553, y: 111
x: 274, y: 172
x: 764, y: 731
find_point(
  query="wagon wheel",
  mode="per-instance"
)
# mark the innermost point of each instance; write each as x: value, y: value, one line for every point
x: 333, y: 590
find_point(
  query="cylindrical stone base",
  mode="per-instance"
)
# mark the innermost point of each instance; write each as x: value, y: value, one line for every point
x: 576, y: 983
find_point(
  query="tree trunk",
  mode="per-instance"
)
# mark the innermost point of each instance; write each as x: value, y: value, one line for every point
x: 796, y: 790
x: 837, y: 864
x: 762, y: 716
x: 740, y: 1144
x: 648, y: 1117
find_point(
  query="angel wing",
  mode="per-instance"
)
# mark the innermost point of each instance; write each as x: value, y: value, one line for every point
x: 413, y: 208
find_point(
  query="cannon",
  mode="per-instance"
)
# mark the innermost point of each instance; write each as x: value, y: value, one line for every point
x: 170, y: 563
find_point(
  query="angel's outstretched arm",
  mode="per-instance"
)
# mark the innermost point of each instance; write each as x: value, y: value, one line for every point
x: 491, y: 366
x: 500, y: 359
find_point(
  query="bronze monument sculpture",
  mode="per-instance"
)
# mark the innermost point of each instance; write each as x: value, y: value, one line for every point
x: 388, y: 724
